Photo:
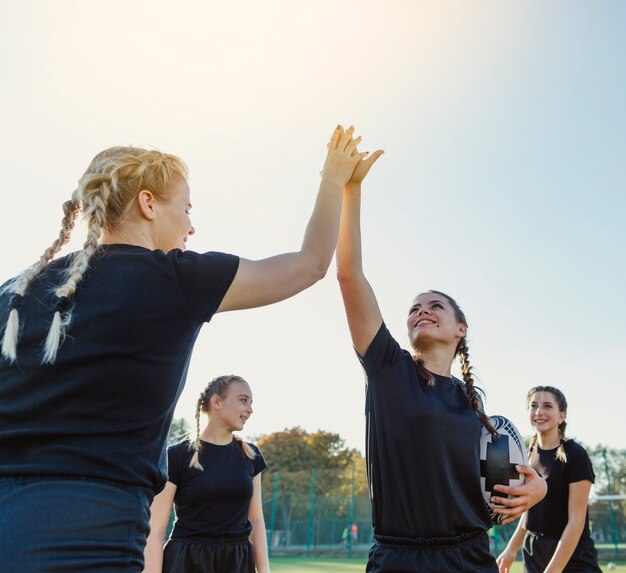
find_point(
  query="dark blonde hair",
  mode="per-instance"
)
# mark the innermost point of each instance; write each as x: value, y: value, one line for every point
x: 217, y: 387
x: 104, y: 195
x: 462, y: 351
x: 562, y: 404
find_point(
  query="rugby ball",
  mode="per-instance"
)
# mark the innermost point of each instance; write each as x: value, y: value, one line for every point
x: 498, y: 458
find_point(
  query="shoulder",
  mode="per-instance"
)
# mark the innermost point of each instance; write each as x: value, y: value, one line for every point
x: 575, y: 450
x: 180, y: 450
x: 254, y: 448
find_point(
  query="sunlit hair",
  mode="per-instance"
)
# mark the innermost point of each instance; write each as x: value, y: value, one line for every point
x: 105, y: 195
x: 217, y: 387
x: 462, y: 351
x: 562, y: 404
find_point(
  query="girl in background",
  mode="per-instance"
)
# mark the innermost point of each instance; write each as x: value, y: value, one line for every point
x: 423, y: 425
x: 215, y: 484
x: 555, y: 533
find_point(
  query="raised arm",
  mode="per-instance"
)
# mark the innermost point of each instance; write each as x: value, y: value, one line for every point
x: 160, y: 512
x: 362, y: 311
x: 258, y: 283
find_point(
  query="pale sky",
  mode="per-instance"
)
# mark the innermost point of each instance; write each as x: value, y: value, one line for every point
x: 503, y: 181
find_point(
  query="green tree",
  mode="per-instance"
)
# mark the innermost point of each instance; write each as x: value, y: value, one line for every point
x: 179, y: 431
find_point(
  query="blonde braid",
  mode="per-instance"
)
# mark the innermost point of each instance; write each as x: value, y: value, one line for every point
x: 71, y: 209
x: 560, y: 452
x: 250, y: 453
x: 462, y: 352
x: 96, y: 214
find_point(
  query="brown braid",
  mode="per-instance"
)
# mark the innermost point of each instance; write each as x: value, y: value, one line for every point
x: 216, y: 387
x: 462, y: 352
x: 562, y: 404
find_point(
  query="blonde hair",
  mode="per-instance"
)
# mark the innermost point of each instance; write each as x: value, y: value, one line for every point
x: 105, y: 194
x: 217, y: 387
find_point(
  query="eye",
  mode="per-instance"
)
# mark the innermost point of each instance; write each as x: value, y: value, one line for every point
x: 437, y: 305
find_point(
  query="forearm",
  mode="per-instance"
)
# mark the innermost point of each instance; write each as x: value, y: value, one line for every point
x: 258, y: 538
x: 349, y: 254
x: 517, y: 539
x: 566, y: 546
x: 320, y: 236
x: 153, y: 553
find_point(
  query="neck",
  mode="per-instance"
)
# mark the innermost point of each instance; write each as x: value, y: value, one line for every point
x: 129, y: 235
x: 548, y: 440
x: 216, y: 433
x: 438, y: 360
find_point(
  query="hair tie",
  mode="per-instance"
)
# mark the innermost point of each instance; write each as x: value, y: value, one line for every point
x: 62, y: 304
x: 16, y: 302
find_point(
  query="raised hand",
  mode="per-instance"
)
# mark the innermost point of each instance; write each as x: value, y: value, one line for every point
x: 342, y: 157
x: 362, y: 168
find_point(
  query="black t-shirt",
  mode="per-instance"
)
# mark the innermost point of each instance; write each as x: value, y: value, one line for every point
x: 549, y: 517
x: 213, y: 502
x: 103, y: 409
x: 422, y: 447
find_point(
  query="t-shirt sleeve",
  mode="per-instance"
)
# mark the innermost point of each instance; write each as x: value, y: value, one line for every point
x: 579, y: 465
x: 204, y: 279
x: 175, y: 462
x: 382, y: 352
x: 258, y: 461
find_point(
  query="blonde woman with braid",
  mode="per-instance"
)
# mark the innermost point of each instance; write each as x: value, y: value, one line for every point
x: 95, y: 348
x: 554, y: 535
x: 423, y: 425
x: 215, y: 484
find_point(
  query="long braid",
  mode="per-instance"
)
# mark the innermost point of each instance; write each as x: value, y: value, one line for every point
x: 71, y: 209
x: 95, y: 213
x: 533, y: 443
x: 195, y: 459
x: 216, y: 387
x: 466, y: 369
x: 560, y: 452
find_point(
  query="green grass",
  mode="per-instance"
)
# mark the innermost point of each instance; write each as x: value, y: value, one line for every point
x: 304, y: 565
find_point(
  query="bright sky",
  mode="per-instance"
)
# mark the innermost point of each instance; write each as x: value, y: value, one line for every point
x: 503, y: 181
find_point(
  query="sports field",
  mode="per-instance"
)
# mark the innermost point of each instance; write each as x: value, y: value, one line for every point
x: 304, y: 565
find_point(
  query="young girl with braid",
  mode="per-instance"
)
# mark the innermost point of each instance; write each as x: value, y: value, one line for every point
x: 95, y: 348
x: 423, y: 425
x: 215, y: 484
x: 554, y: 534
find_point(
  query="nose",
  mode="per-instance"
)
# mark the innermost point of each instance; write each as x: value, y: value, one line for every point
x: 192, y: 231
x: 422, y: 310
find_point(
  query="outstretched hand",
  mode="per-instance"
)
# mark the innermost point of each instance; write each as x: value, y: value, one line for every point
x: 363, y: 167
x: 524, y: 496
x: 343, y: 156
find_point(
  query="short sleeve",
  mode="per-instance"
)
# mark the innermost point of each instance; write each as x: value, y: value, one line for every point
x: 579, y: 465
x: 382, y: 352
x: 258, y: 461
x: 176, y: 461
x: 204, y: 279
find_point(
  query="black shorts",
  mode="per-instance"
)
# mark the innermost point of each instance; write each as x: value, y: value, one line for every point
x: 538, y: 550
x: 195, y: 555
x: 467, y: 553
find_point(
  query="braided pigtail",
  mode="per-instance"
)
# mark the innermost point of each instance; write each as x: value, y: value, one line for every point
x: 423, y: 372
x: 245, y: 447
x: 533, y: 443
x: 197, y: 444
x: 95, y: 204
x: 466, y: 369
x: 560, y: 452
x: 19, y: 287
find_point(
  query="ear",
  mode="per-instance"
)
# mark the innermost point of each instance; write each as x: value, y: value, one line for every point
x: 146, y: 203
x: 216, y: 402
x: 462, y: 330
